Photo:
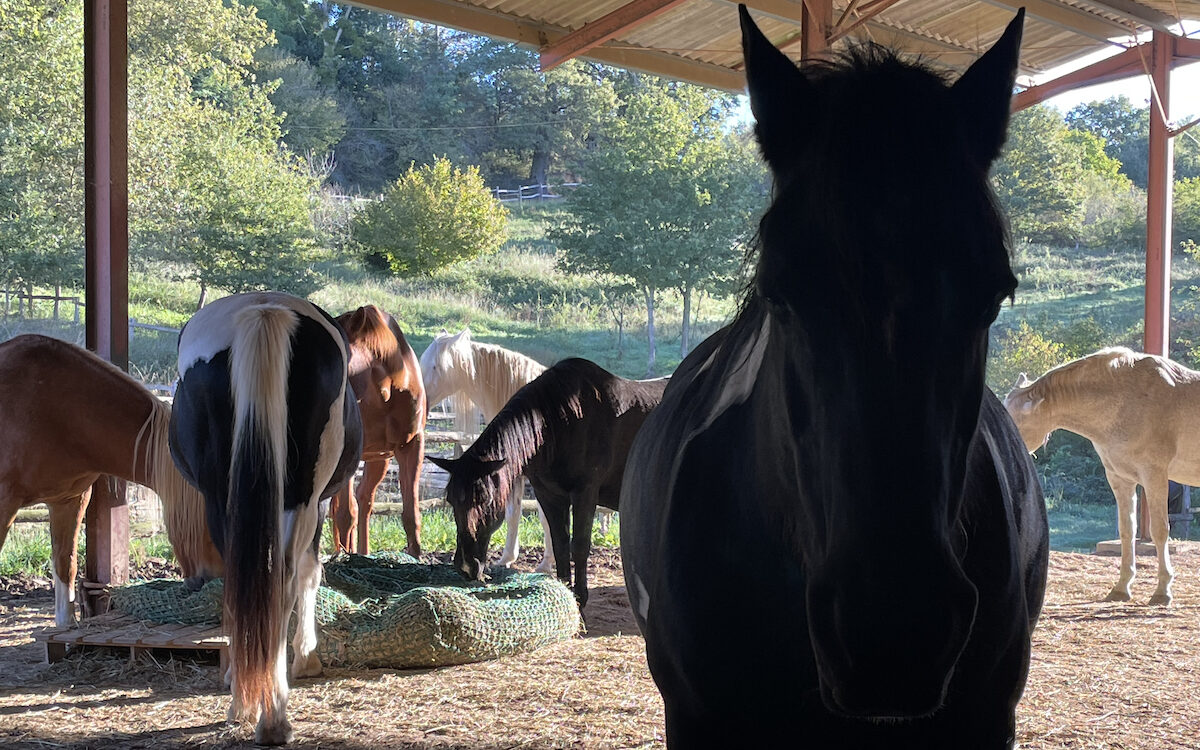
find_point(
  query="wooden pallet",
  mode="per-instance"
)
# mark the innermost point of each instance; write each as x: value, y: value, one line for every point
x: 119, y: 630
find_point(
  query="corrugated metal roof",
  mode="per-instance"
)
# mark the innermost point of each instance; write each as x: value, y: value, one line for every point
x: 698, y: 40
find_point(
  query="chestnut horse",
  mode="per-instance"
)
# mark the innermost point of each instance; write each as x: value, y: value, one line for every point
x: 67, y: 417
x: 265, y: 425
x: 386, y: 378
x: 873, y: 533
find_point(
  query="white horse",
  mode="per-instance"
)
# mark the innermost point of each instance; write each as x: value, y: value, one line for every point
x: 484, y: 376
x: 1139, y: 411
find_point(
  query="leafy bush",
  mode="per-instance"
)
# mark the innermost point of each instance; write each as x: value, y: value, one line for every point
x: 434, y: 215
x: 1018, y: 350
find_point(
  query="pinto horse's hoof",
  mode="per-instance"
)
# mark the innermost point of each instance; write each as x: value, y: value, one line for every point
x: 279, y: 733
x: 309, y: 667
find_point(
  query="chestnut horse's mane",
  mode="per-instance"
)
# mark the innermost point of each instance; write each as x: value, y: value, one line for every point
x: 377, y: 332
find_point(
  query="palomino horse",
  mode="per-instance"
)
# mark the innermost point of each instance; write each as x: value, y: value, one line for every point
x: 386, y: 379
x: 879, y: 558
x: 265, y: 425
x: 487, y: 376
x: 569, y: 432
x: 1137, y: 410
x: 66, y: 418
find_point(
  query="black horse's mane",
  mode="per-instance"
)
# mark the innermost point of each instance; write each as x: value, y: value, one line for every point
x: 538, y: 416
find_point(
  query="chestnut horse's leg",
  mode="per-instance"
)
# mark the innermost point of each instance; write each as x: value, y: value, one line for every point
x: 66, y: 517
x: 373, y: 472
x: 343, y: 516
x: 410, y: 459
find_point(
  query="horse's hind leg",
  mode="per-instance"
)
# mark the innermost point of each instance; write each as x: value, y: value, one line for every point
x: 410, y: 458
x: 305, y: 662
x: 512, y: 522
x: 372, y: 477
x: 66, y: 516
x: 1124, y: 490
x: 547, y: 563
x: 583, y: 513
x: 1160, y: 531
x: 343, y: 516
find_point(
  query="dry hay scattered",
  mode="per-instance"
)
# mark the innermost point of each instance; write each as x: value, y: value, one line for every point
x: 1119, y: 676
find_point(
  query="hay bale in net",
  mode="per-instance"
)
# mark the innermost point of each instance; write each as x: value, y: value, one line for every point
x: 388, y: 610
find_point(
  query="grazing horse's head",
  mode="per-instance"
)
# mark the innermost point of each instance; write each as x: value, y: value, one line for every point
x: 447, y: 365
x: 477, y: 493
x: 883, y: 262
x: 1025, y: 405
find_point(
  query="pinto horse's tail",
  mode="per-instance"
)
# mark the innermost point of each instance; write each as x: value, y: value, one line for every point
x: 254, y: 579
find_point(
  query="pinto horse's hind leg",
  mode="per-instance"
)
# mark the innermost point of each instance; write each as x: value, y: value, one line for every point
x: 66, y: 517
x: 305, y: 662
x: 1125, y: 492
x: 1160, y: 531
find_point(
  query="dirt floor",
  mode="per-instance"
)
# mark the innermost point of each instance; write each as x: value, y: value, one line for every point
x: 1120, y: 676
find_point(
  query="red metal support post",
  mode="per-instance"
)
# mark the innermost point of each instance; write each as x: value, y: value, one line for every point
x: 1158, y: 201
x: 106, y: 282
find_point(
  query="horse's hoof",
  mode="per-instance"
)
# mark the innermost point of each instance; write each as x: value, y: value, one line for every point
x: 1118, y: 595
x: 545, y: 566
x: 310, y: 667
x: 506, y: 562
x: 274, y: 734
x: 413, y: 551
x: 1160, y: 600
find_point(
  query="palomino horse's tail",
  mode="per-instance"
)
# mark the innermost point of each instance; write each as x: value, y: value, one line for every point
x: 183, y: 505
x: 254, y: 576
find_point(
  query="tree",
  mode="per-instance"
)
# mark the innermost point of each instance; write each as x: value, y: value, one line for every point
x: 1124, y: 129
x: 668, y: 199
x: 433, y: 216
x: 1038, y: 177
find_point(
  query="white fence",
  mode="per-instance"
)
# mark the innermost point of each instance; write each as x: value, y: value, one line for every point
x: 531, y: 192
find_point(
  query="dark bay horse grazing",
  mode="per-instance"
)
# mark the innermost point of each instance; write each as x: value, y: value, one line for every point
x: 568, y: 431
x: 386, y: 378
x: 66, y: 418
x: 874, y: 535
x: 266, y: 426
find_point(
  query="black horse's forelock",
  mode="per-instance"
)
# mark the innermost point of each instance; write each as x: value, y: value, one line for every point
x: 837, y: 181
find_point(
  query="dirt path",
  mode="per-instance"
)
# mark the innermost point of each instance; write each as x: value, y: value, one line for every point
x: 1104, y: 676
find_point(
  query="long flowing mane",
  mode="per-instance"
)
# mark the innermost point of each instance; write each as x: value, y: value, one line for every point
x: 183, y: 505
x: 371, y: 328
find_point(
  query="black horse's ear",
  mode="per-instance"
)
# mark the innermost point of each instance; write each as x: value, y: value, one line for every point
x: 449, y: 464
x: 984, y: 93
x: 491, y: 466
x: 774, y: 84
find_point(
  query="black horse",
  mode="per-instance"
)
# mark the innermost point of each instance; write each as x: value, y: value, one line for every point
x: 873, y: 532
x: 568, y: 431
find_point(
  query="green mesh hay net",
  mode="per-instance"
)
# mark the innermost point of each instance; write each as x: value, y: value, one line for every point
x: 388, y: 610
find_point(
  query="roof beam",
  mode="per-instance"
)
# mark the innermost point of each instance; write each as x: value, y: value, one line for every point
x: 1068, y: 17
x: 865, y: 13
x: 609, y: 26
x: 478, y: 20
x: 1185, y: 50
x: 1126, y: 64
x: 1143, y: 14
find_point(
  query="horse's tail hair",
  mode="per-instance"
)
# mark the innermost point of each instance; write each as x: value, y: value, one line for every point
x: 254, y: 579
x: 182, y: 504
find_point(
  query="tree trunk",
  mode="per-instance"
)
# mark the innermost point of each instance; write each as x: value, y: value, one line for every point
x: 685, y: 330
x: 57, y: 294
x: 541, y: 159
x: 203, y: 296
x: 29, y: 296
x: 651, y: 362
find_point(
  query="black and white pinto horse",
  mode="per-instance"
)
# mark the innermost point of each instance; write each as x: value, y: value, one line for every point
x: 882, y: 548
x: 265, y: 426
